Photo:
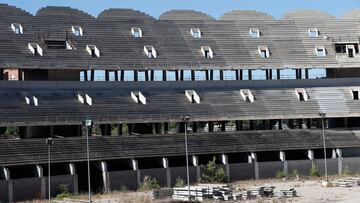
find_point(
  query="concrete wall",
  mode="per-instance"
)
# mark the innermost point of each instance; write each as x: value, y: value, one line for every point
x: 158, y: 173
x: 269, y: 169
x: 180, y: 172
x: 56, y: 181
x: 4, y: 192
x: 119, y: 179
x: 26, y: 189
x: 351, y: 164
x: 302, y: 166
x: 242, y: 171
x: 332, y: 166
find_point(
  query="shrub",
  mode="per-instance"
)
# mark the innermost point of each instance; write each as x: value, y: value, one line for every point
x: 212, y: 174
x: 314, y: 172
x: 149, y: 184
x: 63, y: 192
x: 294, y: 173
x: 179, y: 182
x: 280, y: 174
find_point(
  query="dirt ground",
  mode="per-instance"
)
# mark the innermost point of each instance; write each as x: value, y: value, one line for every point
x: 308, y: 190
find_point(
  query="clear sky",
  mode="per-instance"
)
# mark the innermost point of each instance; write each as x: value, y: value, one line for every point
x: 213, y: 7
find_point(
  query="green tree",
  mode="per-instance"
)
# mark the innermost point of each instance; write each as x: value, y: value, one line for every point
x: 212, y: 174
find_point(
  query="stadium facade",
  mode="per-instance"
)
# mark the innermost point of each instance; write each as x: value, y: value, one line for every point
x: 255, y: 91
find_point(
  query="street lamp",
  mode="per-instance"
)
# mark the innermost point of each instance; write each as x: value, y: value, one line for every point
x: 185, y: 119
x: 87, y: 124
x: 49, y: 142
x: 323, y: 116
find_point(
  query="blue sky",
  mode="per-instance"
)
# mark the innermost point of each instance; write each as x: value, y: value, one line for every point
x: 213, y: 7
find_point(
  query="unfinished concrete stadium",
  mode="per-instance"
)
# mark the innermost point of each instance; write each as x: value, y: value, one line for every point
x: 254, y: 91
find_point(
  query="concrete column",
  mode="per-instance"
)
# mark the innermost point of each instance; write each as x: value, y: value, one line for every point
x: 6, y: 172
x: 40, y: 174
x: 223, y: 126
x: 252, y: 158
x: 105, y: 176
x: 193, y: 75
x: 283, y: 159
x: 211, y: 126
x: 72, y: 171
x: 340, y: 161
x: 238, y: 125
x: 116, y: 74
x: 306, y: 73
x: 311, y: 156
x: 221, y: 74
x: 333, y: 154
x: 119, y: 129
x: 250, y: 74
x: 164, y: 75
x: 211, y: 74
x: 85, y: 75
x: 181, y: 75
x: 195, y: 127
x: 135, y: 167
x: 153, y: 128
x: 270, y: 74
x: 146, y: 73
x: 122, y: 75
x: 151, y: 75
x: 278, y: 75
x: 39, y: 171
x: 206, y: 75
x: 195, y: 162
x: 165, y: 163
x: 176, y: 75
x: 136, y: 78
x: 107, y: 74
x: 225, y: 161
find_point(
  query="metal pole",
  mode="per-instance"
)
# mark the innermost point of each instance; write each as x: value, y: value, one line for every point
x: 187, y: 161
x: 325, y: 163
x: 49, y: 168
x: 88, y: 161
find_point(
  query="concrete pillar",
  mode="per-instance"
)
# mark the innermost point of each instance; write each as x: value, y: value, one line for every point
x: 165, y: 163
x: 116, y: 74
x: 340, y: 161
x: 311, y: 156
x: 151, y: 75
x: 10, y: 191
x: 122, y: 75
x: 105, y: 176
x: 136, y: 74
x: 221, y: 74
x: 72, y: 169
x: 119, y: 129
x: 164, y: 75
x: 283, y: 159
x: 223, y: 126
x: 181, y: 75
x: 238, y: 125
x: 195, y: 162
x: 85, y: 75
x: 107, y: 74
x: 211, y: 74
x: 146, y: 75
x: 176, y: 75
x: 193, y: 75
x: 333, y: 154
x: 195, y: 127
x: 6, y: 172
x: 135, y: 167
x: 250, y: 74
x: 39, y: 171
x: 211, y: 126
x: 306, y: 73
x: 225, y: 161
x: 252, y: 158
x: 40, y: 174
x: 153, y: 127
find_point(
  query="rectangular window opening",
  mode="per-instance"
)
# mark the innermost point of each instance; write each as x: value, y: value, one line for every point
x: 355, y: 93
x: 195, y: 32
x: 136, y: 32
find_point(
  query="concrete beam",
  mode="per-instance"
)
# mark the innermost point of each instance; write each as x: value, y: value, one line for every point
x: 252, y: 157
x: 39, y: 171
x: 165, y: 162
x: 310, y: 154
x: 225, y: 161
x: 72, y: 169
x: 195, y: 160
x: 134, y: 164
x: 282, y: 156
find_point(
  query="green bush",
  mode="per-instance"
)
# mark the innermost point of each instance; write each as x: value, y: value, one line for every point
x: 212, y: 174
x: 12, y: 132
x: 314, y: 172
x: 346, y: 171
x: 280, y: 174
x: 64, y: 192
x: 179, y: 182
x: 149, y: 184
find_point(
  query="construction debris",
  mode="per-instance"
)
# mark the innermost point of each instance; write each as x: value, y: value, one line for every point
x: 219, y: 192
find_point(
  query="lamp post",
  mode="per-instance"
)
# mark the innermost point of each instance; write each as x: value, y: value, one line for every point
x: 185, y: 120
x: 49, y: 142
x: 87, y: 124
x: 323, y: 116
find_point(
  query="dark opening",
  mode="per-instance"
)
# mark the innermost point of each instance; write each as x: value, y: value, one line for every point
x: 193, y: 99
x: 93, y: 53
x: 207, y: 54
x: 351, y: 53
x: 356, y: 95
x: 301, y: 96
x: 55, y: 44
x: 263, y: 54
